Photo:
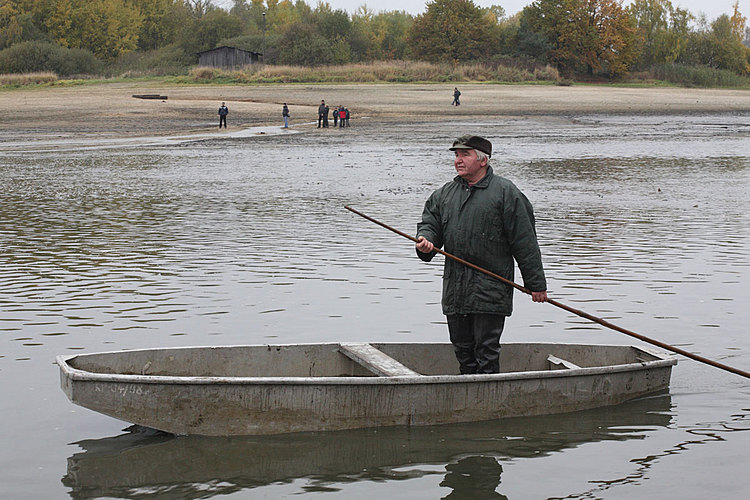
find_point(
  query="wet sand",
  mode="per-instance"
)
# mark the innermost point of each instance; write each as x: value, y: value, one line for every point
x: 108, y: 110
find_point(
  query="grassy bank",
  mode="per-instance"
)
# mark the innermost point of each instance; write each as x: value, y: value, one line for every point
x: 407, y: 72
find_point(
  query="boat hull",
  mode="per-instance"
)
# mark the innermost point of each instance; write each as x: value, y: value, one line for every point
x: 238, y: 399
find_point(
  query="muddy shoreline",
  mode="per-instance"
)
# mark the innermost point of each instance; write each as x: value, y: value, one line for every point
x: 109, y: 110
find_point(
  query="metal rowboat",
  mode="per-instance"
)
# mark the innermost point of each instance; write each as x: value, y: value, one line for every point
x: 273, y: 389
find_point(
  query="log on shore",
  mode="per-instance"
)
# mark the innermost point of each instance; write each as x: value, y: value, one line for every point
x: 150, y: 96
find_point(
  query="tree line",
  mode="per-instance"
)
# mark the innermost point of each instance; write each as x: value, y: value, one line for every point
x: 600, y: 38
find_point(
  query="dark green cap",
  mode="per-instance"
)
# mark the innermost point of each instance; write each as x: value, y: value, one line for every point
x: 473, y: 142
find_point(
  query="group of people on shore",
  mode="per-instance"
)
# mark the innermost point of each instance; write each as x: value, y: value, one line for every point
x: 340, y: 115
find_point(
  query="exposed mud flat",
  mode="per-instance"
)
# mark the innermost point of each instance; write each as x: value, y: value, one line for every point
x: 109, y: 110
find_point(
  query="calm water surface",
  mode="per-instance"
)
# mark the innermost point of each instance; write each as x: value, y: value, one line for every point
x: 643, y: 221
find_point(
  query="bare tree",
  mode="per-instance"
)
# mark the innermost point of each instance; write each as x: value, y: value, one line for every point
x: 200, y: 7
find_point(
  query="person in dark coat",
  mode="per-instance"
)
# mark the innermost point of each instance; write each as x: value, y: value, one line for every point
x: 335, y: 117
x: 223, y: 112
x: 456, y: 95
x: 321, y: 113
x: 486, y: 220
x: 285, y: 115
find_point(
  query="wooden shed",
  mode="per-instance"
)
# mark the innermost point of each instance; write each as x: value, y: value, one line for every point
x: 227, y: 57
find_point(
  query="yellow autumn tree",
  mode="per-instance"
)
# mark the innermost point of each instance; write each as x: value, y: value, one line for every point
x: 592, y: 36
x: 10, y: 25
x: 610, y: 37
x: 108, y: 28
x: 726, y: 50
x: 737, y: 24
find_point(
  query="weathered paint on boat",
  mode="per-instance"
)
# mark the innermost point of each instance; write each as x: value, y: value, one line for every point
x: 272, y: 389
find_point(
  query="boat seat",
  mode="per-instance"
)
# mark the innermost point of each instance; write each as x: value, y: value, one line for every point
x: 556, y: 363
x: 375, y: 360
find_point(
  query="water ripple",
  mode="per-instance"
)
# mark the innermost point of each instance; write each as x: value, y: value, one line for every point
x: 209, y: 238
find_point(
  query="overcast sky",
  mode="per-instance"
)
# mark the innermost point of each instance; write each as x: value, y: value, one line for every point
x: 712, y: 8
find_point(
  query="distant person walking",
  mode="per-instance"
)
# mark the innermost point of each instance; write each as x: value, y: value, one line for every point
x: 321, y: 112
x: 456, y: 95
x: 285, y: 114
x: 223, y: 112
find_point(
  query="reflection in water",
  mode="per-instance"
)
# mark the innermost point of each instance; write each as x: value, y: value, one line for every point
x: 179, y: 240
x: 141, y: 461
x: 473, y: 477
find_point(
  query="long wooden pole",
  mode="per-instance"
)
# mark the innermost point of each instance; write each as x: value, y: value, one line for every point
x: 577, y: 312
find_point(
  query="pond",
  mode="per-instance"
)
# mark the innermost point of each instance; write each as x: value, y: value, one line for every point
x: 244, y: 239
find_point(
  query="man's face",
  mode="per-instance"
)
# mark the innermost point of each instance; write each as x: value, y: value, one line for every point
x: 468, y: 166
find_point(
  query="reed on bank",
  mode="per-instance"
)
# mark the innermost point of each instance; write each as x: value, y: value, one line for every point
x: 386, y: 72
x: 22, y: 79
x: 699, y: 76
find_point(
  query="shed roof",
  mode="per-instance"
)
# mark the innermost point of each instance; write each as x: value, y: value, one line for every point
x: 228, y: 47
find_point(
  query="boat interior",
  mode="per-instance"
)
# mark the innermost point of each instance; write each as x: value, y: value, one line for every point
x: 346, y: 360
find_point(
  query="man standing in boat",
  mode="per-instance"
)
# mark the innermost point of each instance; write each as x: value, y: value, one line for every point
x: 486, y: 220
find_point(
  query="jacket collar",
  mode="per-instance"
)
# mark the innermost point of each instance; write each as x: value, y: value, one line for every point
x: 483, y: 182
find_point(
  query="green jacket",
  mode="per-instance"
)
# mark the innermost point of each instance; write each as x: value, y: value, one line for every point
x: 488, y: 224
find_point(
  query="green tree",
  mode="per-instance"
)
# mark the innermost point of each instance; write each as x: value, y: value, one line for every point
x: 520, y: 39
x: 451, y: 31
x: 205, y: 32
x: 162, y: 22
x: 663, y: 31
x: 497, y: 11
x: 719, y: 45
x: 29, y: 56
x: 553, y: 25
x: 331, y: 23
x: 381, y: 36
x: 335, y: 27
x: 301, y: 44
x: 652, y: 21
x: 242, y: 10
x: 727, y: 49
x: 31, y: 17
